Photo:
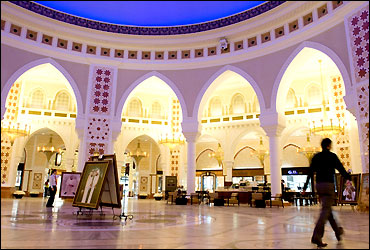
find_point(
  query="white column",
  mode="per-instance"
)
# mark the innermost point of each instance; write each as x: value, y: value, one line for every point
x: 275, y: 166
x: 228, y: 170
x: 274, y: 124
x: 190, y: 129
x: 190, y: 141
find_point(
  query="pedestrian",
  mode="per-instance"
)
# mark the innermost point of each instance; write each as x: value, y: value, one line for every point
x: 46, y: 188
x: 324, y: 164
x: 53, y: 188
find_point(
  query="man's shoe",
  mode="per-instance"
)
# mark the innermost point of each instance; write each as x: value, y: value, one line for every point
x: 319, y: 243
x: 339, y: 234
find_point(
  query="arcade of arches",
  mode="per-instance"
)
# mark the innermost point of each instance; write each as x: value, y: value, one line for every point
x: 270, y: 102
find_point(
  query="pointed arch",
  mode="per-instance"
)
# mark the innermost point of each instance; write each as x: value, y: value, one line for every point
x: 171, y: 84
x: 280, y: 91
x: 28, y: 66
x: 209, y: 87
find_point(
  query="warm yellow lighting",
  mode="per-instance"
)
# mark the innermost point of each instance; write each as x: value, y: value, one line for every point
x: 48, y: 149
x: 261, y: 153
x: 172, y: 142
x: 138, y: 153
x: 309, y: 151
x: 14, y: 130
x: 327, y: 126
x: 218, y: 155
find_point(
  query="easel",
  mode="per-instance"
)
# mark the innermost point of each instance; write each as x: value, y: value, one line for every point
x: 88, y: 211
x: 122, y: 215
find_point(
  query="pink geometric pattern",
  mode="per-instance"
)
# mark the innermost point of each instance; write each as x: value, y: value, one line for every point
x: 342, y: 140
x: 98, y: 129
x: 92, y: 147
x: 12, y: 101
x: 359, y: 38
x: 100, y: 101
x: 6, y: 151
x: 363, y: 101
x: 364, y: 135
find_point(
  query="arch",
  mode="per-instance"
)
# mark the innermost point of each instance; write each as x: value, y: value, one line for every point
x: 171, y: 84
x: 156, y: 110
x: 139, y: 112
x: 232, y: 103
x: 56, y: 99
x: 215, y: 107
x: 28, y: 66
x: 242, y: 150
x: 312, y: 92
x: 209, y: 87
x: 291, y: 98
x: 207, y: 149
x: 279, y: 92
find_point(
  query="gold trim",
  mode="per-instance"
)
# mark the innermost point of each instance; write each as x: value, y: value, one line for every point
x: 23, y: 111
x: 134, y: 120
x: 226, y: 119
x: 72, y: 115
x: 237, y: 118
x: 302, y: 111
x: 289, y: 112
x: 215, y: 120
x: 145, y: 121
x: 47, y: 113
x: 32, y: 112
x: 204, y: 121
x: 314, y: 110
x: 123, y: 119
x: 156, y: 122
x: 249, y: 116
x: 60, y: 114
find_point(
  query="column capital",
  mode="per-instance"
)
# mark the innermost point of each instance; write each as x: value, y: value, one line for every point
x: 272, y: 123
x: 191, y: 129
x: 191, y: 136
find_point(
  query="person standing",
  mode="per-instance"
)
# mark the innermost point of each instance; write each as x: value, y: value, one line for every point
x: 324, y: 164
x: 53, y: 188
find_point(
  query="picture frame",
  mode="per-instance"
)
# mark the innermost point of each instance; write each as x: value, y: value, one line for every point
x: 89, y: 189
x: 37, y: 181
x: 364, y: 191
x: 69, y: 184
x: 110, y: 193
x: 349, y: 192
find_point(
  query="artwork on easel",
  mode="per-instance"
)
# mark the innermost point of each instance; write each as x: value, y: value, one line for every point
x: 363, y: 200
x: 69, y: 184
x: 89, y: 189
x: 349, y: 190
x: 110, y: 194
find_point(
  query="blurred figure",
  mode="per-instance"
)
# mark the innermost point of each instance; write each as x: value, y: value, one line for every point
x: 324, y: 164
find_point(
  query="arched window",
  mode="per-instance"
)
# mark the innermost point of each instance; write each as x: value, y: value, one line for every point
x: 134, y: 108
x: 37, y: 99
x: 62, y: 102
x: 156, y: 110
x: 215, y: 107
x: 256, y: 105
x: 291, y: 100
x: 313, y: 96
x: 237, y: 104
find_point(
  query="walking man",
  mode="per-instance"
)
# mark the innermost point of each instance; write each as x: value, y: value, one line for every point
x: 324, y: 164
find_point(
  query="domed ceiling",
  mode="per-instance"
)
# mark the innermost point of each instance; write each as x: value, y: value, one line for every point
x: 151, y: 13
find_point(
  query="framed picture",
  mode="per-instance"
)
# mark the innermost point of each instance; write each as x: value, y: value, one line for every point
x: 364, y: 191
x: 349, y: 189
x: 37, y: 179
x: 68, y: 184
x: 89, y: 189
x: 111, y: 196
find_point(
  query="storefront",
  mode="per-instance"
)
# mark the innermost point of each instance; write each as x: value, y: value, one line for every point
x: 248, y: 177
x: 295, y: 179
x: 209, y: 180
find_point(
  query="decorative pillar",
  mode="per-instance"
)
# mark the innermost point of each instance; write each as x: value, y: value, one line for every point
x: 274, y: 124
x: 357, y: 33
x: 190, y: 129
x: 228, y: 170
x: 99, y: 113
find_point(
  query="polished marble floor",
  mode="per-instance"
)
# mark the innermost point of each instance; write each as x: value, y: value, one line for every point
x: 27, y: 223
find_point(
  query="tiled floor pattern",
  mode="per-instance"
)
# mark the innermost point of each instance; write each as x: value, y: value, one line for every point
x: 27, y: 223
